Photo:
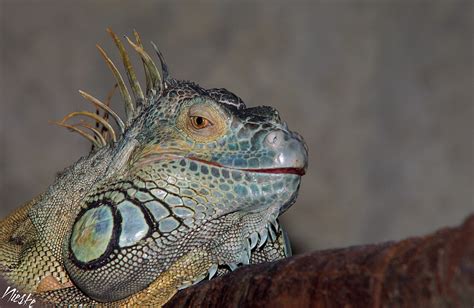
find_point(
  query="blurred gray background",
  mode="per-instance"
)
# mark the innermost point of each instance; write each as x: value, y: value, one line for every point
x: 382, y: 91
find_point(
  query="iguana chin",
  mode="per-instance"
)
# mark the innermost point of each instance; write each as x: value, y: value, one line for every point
x: 192, y: 186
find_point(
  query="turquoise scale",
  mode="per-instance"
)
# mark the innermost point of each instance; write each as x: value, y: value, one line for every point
x: 92, y: 233
x: 157, y: 209
x: 134, y: 226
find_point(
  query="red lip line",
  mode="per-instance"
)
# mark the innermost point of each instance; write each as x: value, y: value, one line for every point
x: 297, y: 171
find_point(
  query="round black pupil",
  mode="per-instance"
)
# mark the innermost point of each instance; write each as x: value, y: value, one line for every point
x: 199, y: 121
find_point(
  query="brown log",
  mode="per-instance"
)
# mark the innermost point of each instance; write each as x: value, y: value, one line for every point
x: 431, y: 271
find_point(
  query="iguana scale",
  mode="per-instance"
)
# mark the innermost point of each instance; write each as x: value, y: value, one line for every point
x: 191, y: 185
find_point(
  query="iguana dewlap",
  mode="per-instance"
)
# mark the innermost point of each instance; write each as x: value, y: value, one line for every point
x: 190, y: 185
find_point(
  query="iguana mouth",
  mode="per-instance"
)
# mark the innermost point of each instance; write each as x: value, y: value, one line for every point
x: 161, y: 156
x: 297, y: 171
x: 287, y: 170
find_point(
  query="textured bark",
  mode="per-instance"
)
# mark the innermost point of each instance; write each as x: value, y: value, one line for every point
x: 432, y: 271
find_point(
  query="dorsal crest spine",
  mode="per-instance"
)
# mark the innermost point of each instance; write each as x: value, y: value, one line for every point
x: 103, y: 133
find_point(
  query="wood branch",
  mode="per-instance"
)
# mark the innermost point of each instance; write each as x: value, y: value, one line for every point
x: 432, y: 271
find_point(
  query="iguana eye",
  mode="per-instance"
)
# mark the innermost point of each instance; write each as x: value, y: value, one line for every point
x: 199, y: 122
x: 202, y: 122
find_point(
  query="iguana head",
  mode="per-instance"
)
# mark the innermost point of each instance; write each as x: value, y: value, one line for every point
x: 206, y: 172
x: 246, y: 158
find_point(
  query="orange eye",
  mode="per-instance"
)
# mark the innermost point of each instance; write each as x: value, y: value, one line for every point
x: 199, y: 122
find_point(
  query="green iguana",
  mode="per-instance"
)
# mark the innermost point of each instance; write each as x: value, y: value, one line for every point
x: 191, y: 186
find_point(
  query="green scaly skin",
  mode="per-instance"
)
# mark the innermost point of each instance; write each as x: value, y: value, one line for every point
x: 165, y: 206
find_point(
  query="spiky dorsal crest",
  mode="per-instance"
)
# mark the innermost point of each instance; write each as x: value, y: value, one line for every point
x: 103, y: 133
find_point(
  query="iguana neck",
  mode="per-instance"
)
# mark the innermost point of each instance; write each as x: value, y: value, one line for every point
x: 61, y: 201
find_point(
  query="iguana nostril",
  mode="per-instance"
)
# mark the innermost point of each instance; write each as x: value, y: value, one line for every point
x: 275, y: 138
